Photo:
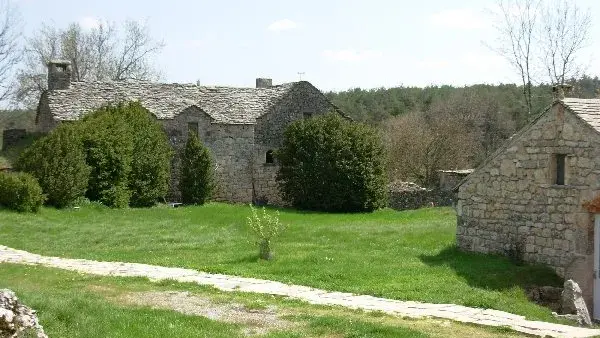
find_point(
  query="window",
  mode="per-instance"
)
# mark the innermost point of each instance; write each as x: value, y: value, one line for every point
x: 193, y: 128
x: 307, y: 115
x: 560, y: 169
x: 269, y: 158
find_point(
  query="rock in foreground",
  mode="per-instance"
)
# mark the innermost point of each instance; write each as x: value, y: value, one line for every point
x: 16, y: 319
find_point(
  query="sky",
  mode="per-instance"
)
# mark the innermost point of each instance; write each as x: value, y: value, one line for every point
x: 336, y: 44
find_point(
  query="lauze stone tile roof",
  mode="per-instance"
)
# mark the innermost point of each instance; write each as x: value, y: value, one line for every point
x: 587, y: 109
x: 227, y: 105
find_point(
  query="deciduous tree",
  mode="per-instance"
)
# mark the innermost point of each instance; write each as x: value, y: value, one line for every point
x: 104, y: 52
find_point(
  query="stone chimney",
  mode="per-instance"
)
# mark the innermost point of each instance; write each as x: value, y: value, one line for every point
x: 59, y: 74
x: 264, y: 83
x: 559, y: 92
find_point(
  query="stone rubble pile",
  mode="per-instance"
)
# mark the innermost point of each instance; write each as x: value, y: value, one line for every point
x: 16, y: 319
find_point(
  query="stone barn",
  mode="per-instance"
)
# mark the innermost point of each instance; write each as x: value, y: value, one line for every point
x: 537, y: 196
x: 241, y: 126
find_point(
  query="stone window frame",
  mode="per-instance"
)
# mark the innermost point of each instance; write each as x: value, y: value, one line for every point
x: 556, y: 178
x: 270, y: 157
x: 193, y: 126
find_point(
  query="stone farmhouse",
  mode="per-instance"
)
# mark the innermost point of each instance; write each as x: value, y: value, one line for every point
x: 537, y: 196
x: 241, y: 126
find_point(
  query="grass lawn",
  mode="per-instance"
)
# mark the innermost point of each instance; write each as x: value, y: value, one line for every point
x: 402, y: 255
x: 73, y: 305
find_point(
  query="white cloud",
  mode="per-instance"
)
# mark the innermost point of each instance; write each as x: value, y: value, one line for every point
x: 351, y: 55
x: 89, y: 22
x: 433, y: 64
x: 282, y: 25
x: 457, y: 19
x: 202, y: 42
x: 482, y: 62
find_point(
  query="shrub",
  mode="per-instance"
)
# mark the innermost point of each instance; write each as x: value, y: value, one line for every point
x: 197, y: 179
x: 108, y: 149
x: 129, y: 155
x: 328, y: 163
x: 21, y: 192
x: 151, y: 160
x: 57, y: 161
x: 266, y: 227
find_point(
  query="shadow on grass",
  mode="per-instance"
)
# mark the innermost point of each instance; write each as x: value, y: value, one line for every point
x: 493, y: 272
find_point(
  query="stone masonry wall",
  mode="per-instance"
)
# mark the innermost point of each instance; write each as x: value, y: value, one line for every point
x: 44, y: 121
x: 303, y: 101
x: 10, y: 137
x: 230, y: 146
x: 239, y: 151
x: 512, y: 200
x: 177, y: 132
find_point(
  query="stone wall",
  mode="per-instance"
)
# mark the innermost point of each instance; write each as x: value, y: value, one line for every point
x: 266, y: 190
x: 408, y: 195
x: 238, y: 149
x: 304, y: 101
x: 43, y: 120
x: 450, y: 179
x: 177, y: 131
x: 10, y: 137
x: 232, y: 147
x: 512, y: 201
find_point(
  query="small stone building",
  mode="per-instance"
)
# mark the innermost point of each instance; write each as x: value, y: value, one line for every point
x: 532, y: 197
x: 241, y: 126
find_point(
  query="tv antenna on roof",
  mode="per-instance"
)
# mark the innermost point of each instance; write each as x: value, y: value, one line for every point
x: 300, y: 75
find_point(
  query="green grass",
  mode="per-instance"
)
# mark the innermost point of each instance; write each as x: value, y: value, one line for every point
x: 74, y: 305
x: 402, y: 255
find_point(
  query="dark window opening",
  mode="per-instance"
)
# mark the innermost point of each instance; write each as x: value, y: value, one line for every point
x: 269, y: 158
x: 193, y: 128
x: 560, y: 169
x: 307, y: 115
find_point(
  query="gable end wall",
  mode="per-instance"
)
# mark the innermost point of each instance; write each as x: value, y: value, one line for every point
x: 513, y: 200
x: 269, y: 130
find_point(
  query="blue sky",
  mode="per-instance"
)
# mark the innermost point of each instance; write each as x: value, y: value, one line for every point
x: 337, y: 44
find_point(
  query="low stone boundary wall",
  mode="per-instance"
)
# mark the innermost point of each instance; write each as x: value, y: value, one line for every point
x: 407, y: 195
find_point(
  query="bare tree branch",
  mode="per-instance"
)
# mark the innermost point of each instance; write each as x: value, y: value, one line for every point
x: 10, y: 52
x: 563, y: 33
x: 98, y: 54
x: 541, y: 37
x: 516, y: 25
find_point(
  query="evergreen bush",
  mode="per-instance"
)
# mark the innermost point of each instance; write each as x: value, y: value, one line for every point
x: 20, y: 191
x: 328, y: 163
x: 197, y: 178
x: 57, y: 161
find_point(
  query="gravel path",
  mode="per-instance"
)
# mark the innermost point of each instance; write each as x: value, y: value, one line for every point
x: 313, y: 296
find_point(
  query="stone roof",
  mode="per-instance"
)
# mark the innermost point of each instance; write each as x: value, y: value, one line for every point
x: 228, y: 105
x: 587, y: 109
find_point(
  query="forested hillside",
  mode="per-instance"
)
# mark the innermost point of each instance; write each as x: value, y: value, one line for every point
x: 444, y: 127
x: 376, y: 105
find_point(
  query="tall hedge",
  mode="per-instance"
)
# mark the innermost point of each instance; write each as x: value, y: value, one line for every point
x: 20, y: 191
x: 328, y: 163
x: 129, y: 154
x: 108, y: 146
x: 117, y: 155
x: 58, y: 163
x: 196, y: 180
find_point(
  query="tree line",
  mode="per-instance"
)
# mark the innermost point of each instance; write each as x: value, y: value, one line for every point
x: 445, y: 127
